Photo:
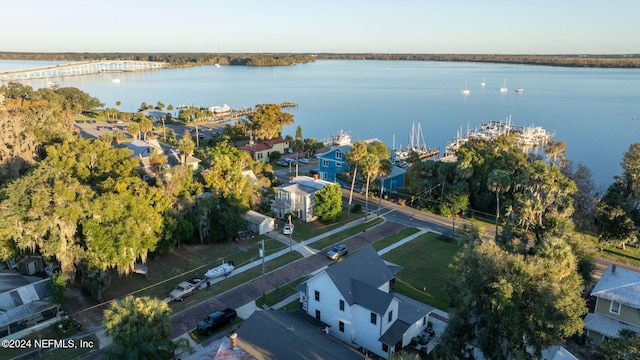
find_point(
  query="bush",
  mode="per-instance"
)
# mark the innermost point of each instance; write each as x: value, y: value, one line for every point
x: 356, y: 209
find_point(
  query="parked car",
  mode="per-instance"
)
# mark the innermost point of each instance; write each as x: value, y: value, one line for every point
x: 304, y: 160
x: 185, y: 289
x: 216, y: 320
x: 283, y: 163
x: 338, y: 251
x: 288, y: 229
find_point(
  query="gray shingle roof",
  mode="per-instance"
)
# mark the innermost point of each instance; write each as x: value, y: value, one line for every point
x: 621, y: 285
x: 371, y: 298
x: 394, y: 332
x: 364, y: 266
x: 284, y: 335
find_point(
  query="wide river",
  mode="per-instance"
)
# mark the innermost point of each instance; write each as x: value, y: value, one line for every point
x: 593, y: 110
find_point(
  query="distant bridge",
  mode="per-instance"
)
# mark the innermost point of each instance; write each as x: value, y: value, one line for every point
x: 80, y: 68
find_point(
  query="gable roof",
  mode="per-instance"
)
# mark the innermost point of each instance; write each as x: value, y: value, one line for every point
x: 285, y: 335
x: 370, y: 298
x: 620, y: 285
x: 365, y: 267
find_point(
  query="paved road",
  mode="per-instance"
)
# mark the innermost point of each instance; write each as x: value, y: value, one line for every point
x: 186, y: 320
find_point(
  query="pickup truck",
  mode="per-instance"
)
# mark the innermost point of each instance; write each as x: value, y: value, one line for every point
x: 216, y: 320
x: 185, y: 289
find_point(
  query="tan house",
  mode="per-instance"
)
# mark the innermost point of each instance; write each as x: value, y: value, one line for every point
x: 617, y: 305
x: 262, y: 150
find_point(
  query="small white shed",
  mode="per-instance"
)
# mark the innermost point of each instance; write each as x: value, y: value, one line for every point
x: 259, y: 223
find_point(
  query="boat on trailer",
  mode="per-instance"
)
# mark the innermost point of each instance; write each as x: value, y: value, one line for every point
x: 223, y: 270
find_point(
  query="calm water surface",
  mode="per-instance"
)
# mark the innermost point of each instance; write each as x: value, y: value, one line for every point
x: 592, y: 110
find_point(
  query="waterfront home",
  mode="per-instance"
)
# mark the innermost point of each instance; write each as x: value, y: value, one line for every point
x: 333, y: 162
x: 154, y: 115
x: 25, y: 306
x: 261, y: 151
x: 355, y: 298
x: 617, y: 307
x: 296, y: 197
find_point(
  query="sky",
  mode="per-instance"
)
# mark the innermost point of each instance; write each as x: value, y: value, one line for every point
x: 324, y: 26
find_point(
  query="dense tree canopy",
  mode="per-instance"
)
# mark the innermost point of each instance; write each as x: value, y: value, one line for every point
x: 511, y: 306
x: 268, y: 120
x: 328, y: 203
x: 140, y: 328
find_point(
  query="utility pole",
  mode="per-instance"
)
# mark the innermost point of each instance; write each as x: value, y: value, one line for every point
x: 264, y: 280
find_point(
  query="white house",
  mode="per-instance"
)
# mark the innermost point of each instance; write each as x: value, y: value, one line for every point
x: 296, y: 198
x: 355, y: 299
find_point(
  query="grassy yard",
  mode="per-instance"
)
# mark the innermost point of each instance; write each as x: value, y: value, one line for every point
x: 390, y: 240
x: 305, y: 231
x: 426, y: 270
x: 337, y: 237
x: 280, y: 293
x: 188, y: 261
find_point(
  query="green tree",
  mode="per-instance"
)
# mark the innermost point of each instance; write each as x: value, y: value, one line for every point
x: 186, y: 146
x: 498, y: 182
x: 358, y: 152
x: 145, y: 126
x: 134, y: 130
x: 511, y: 306
x: 328, y: 203
x: 370, y: 166
x: 140, y: 328
x: 268, y: 120
x: 624, y: 347
x: 57, y: 286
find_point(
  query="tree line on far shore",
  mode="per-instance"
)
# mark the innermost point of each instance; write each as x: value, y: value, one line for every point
x: 284, y: 59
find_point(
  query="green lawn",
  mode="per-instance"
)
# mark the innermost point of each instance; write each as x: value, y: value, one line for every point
x: 340, y: 236
x: 426, y: 272
x: 390, y: 240
x: 305, y: 231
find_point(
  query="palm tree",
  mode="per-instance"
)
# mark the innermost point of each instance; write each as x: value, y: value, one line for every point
x: 386, y: 167
x: 498, y: 182
x: 357, y: 152
x: 145, y: 126
x: 371, y: 167
x: 134, y: 130
x: 186, y: 148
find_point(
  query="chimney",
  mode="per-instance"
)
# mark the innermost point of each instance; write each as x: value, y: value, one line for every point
x: 233, y: 339
x: 613, y: 268
x: 315, y: 176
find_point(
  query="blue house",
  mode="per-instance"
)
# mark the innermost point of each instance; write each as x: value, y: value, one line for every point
x: 393, y: 181
x: 333, y: 162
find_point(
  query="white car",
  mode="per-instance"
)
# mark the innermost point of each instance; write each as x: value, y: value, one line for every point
x: 304, y: 160
x: 288, y: 229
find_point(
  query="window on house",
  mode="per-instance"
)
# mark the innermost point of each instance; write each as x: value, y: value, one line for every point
x: 374, y: 318
x: 324, y: 176
x: 390, y: 318
x: 317, y: 295
x: 385, y: 348
x: 341, y: 326
x: 341, y: 305
x: 318, y: 314
x: 615, y: 307
x: 325, y: 163
x: 338, y: 164
x: 338, y: 155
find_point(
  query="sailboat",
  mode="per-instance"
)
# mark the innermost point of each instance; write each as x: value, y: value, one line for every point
x: 465, y: 91
x: 483, y: 83
x: 504, y: 88
x: 416, y: 144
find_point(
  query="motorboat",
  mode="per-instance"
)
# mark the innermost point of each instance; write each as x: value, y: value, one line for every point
x: 223, y: 270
